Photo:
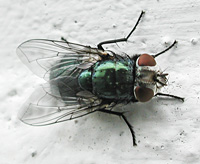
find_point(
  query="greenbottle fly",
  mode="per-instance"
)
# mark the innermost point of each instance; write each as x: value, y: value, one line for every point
x: 82, y: 80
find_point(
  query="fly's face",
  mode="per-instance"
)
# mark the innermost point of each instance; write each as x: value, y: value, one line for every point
x: 148, y: 78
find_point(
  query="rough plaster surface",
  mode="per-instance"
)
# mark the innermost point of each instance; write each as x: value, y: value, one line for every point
x: 167, y: 130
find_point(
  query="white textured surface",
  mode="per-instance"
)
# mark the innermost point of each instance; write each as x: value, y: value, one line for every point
x: 167, y: 130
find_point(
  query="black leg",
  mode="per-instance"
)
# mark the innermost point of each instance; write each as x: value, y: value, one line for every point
x: 120, y: 114
x: 165, y: 49
x: 168, y: 95
x: 122, y: 39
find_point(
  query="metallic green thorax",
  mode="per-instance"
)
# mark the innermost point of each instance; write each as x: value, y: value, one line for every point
x: 109, y: 79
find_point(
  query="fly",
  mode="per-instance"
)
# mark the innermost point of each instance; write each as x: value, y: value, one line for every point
x: 81, y: 80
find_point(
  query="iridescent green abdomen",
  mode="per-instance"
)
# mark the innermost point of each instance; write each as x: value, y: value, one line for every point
x: 109, y: 79
x: 85, y: 80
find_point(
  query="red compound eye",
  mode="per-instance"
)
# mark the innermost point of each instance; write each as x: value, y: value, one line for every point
x: 143, y: 94
x: 146, y: 60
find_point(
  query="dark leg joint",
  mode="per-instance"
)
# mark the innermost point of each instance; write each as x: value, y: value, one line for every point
x: 120, y: 114
x: 122, y: 39
x: 111, y: 41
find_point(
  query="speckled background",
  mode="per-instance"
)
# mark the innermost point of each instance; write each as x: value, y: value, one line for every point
x: 167, y: 130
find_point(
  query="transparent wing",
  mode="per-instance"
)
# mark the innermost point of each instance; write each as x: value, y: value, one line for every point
x: 59, y: 100
x: 49, y: 58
